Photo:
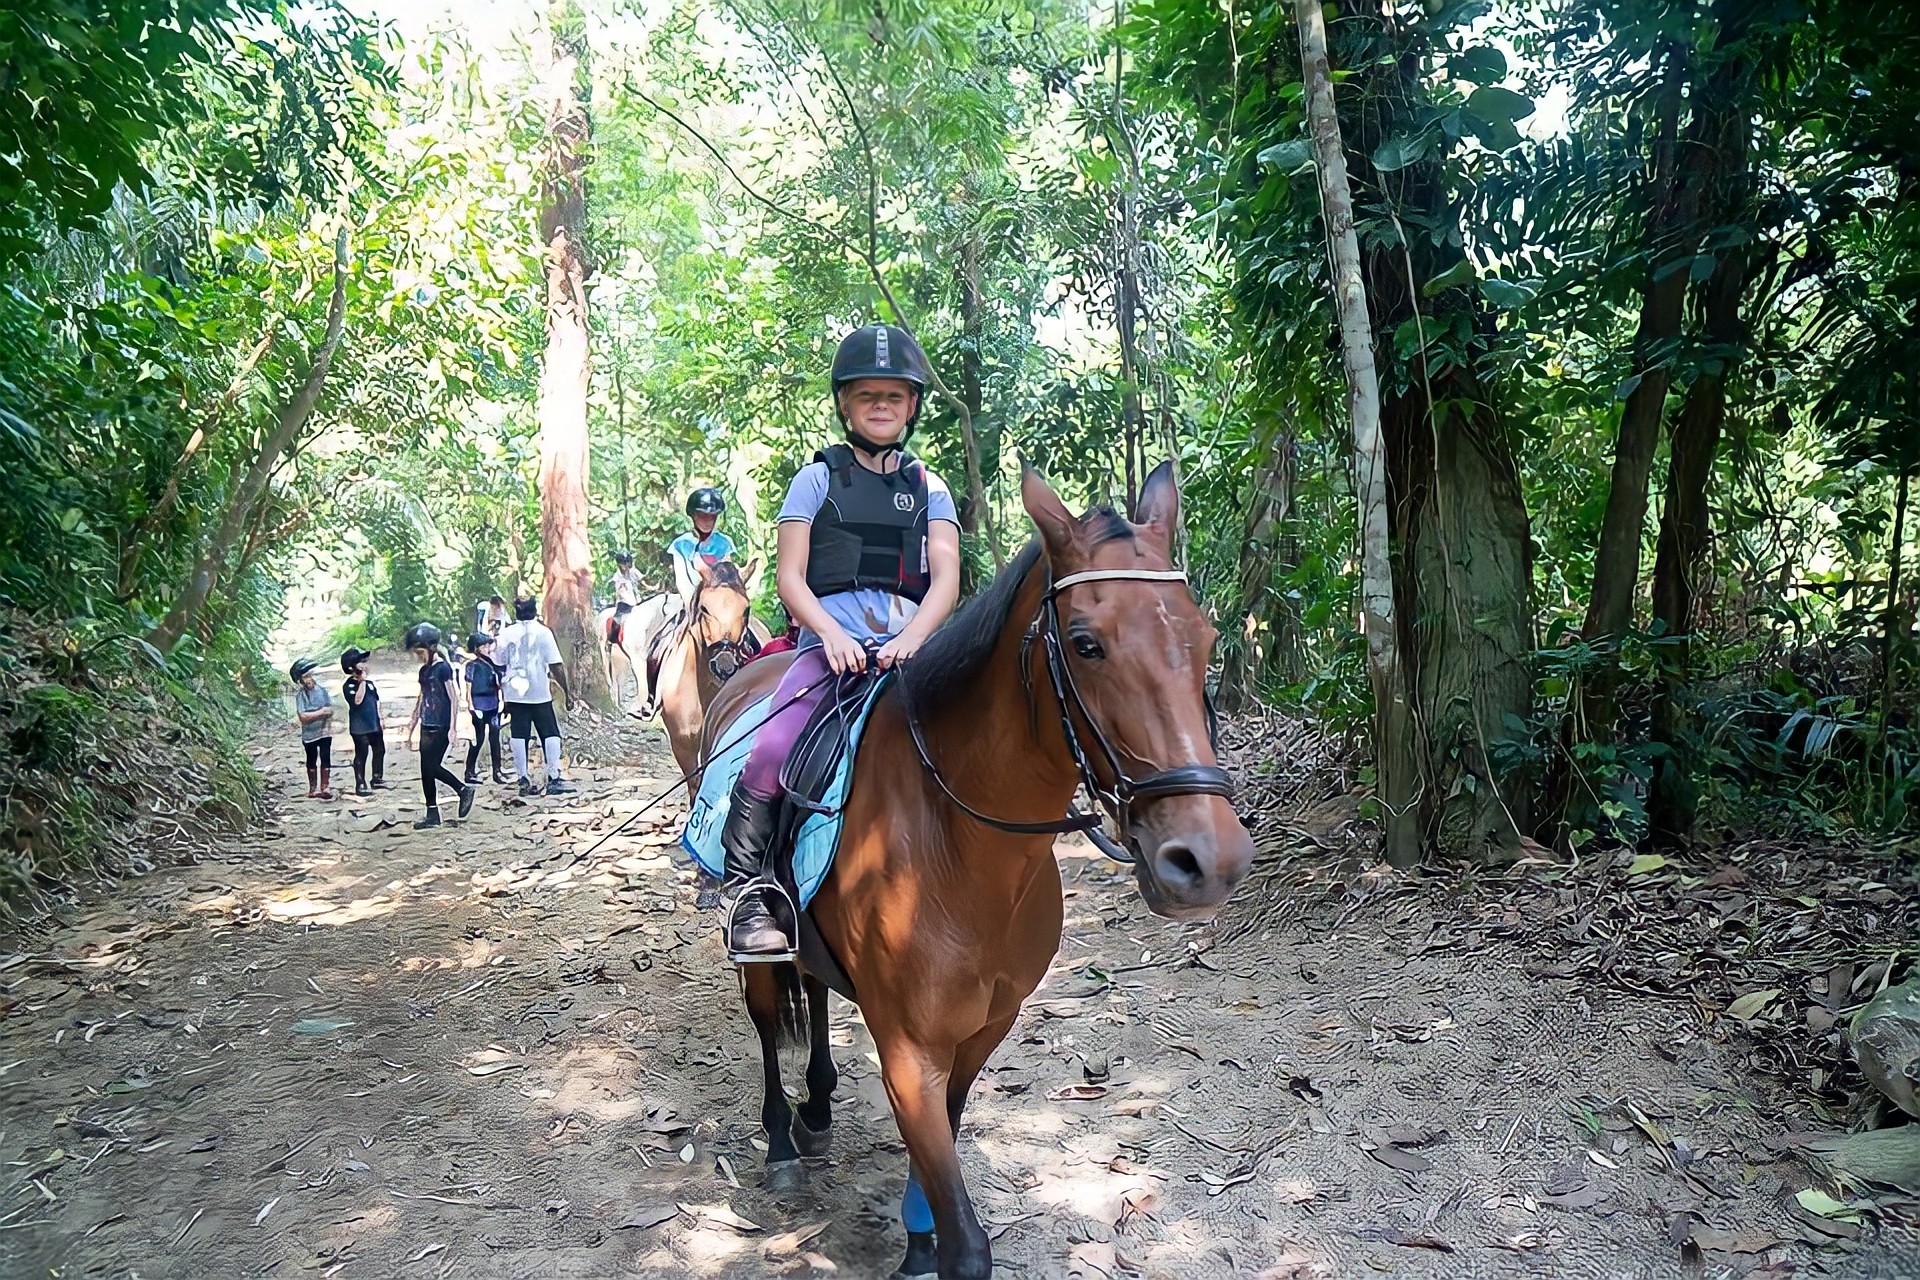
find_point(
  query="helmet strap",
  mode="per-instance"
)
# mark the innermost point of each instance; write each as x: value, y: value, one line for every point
x: 878, y: 452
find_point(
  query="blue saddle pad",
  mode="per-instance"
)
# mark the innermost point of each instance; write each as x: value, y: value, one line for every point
x: 819, y: 835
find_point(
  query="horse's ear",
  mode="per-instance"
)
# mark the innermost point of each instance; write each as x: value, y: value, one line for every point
x: 750, y: 570
x: 1159, y: 505
x: 705, y: 571
x: 1058, y: 529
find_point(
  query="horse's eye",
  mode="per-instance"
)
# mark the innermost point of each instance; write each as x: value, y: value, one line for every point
x: 1087, y: 647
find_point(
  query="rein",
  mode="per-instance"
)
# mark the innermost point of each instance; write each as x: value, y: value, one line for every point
x: 1117, y: 800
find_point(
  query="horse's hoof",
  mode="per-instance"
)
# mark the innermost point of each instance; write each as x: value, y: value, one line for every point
x: 810, y: 1142
x: 786, y: 1176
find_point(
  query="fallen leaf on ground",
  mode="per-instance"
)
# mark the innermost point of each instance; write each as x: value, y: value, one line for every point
x: 720, y: 1214
x: 646, y: 1217
x: 1405, y: 1161
x: 1077, y: 1093
x: 1747, y: 1007
x: 494, y: 1068
x: 1814, y: 1200
x: 792, y: 1241
x: 1579, y: 1198
x: 318, y: 1026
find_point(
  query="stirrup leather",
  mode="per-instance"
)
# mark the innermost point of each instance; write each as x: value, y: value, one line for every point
x: 780, y: 907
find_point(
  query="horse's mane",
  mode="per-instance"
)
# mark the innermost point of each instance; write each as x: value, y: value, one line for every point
x: 725, y: 574
x: 947, y: 664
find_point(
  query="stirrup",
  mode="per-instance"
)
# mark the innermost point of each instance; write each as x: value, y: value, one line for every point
x: 780, y: 899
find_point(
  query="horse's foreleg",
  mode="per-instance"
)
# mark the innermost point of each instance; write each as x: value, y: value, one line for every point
x: 776, y: 1116
x: 816, y: 1113
x: 917, y: 1080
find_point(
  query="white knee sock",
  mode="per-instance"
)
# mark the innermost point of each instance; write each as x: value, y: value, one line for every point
x: 520, y: 756
x: 551, y: 746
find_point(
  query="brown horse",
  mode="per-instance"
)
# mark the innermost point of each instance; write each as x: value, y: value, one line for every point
x: 942, y: 919
x: 714, y: 640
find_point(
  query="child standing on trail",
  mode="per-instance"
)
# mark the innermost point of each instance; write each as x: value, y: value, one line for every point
x: 313, y: 706
x: 433, y: 714
x: 483, y: 701
x: 363, y: 721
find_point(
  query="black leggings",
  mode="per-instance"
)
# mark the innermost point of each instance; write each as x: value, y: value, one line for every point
x: 319, y: 753
x: 486, y: 724
x: 433, y: 753
x: 369, y: 744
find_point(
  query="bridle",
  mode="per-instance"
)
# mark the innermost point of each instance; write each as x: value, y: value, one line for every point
x: 724, y: 657
x: 1117, y: 799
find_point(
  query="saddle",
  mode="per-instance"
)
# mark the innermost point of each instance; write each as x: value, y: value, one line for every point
x: 815, y: 780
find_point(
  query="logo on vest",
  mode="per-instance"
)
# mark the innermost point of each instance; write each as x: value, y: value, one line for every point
x: 903, y: 502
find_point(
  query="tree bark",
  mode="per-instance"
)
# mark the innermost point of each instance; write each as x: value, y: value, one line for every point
x: 565, y: 545
x: 1685, y: 522
x: 972, y: 392
x: 1457, y: 517
x: 1269, y: 635
x: 287, y: 426
x: 1393, y: 732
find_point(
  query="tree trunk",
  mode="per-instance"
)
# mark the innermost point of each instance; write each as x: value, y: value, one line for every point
x: 1685, y: 522
x: 1616, y: 562
x: 1456, y: 515
x: 1393, y: 731
x: 971, y: 390
x: 1268, y: 634
x: 565, y: 546
x: 287, y: 426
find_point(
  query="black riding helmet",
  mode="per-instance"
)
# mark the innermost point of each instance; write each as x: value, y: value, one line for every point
x: 706, y: 502
x: 423, y: 635
x: 351, y: 657
x: 623, y: 558
x: 301, y: 667
x: 881, y: 351
x: 477, y: 639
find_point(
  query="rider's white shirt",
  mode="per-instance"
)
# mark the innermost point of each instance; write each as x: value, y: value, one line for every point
x: 626, y: 586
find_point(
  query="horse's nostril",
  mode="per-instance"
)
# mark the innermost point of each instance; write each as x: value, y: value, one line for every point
x: 1178, y: 866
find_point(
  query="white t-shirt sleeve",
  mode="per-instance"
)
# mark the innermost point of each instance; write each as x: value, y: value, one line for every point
x: 548, y: 653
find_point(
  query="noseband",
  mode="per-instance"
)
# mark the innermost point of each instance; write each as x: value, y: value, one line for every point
x: 1118, y: 799
x: 726, y: 657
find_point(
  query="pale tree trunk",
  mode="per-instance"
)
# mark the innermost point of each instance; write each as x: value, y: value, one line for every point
x: 972, y: 393
x: 565, y: 546
x: 1394, y: 746
x: 237, y: 518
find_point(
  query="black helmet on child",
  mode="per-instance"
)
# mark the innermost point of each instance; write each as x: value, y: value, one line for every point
x: 881, y: 351
x: 477, y: 640
x: 351, y: 657
x: 707, y: 501
x: 623, y: 558
x: 423, y: 635
x: 302, y: 667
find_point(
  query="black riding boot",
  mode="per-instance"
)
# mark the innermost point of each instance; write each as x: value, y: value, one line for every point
x: 753, y: 931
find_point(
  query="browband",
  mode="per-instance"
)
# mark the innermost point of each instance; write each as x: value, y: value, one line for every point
x: 1120, y: 575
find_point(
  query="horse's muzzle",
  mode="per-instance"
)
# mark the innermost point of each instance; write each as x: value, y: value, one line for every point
x: 1191, y: 853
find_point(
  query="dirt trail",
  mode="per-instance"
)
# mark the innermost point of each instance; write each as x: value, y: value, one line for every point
x: 351, y: 1049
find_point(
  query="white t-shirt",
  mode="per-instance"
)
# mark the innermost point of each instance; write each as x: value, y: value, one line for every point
x: 527, y: 649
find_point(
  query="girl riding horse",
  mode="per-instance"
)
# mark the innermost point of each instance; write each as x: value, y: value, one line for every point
x: 869, y: 555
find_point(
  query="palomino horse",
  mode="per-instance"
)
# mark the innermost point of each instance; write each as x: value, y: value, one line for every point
x: 1085, y: 660
x: 715, y: 639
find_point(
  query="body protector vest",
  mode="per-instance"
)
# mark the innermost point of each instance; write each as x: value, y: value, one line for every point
x: 871, y: 532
